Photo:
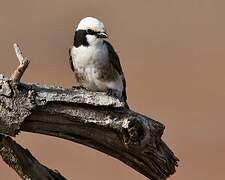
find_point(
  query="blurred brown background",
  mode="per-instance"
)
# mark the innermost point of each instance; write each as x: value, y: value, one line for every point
x: 173, y: 56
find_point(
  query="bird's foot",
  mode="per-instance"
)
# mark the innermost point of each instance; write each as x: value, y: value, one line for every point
x: 112, y: 92
x: 109, y: 92
x: 116, y: 94
x: 79, y: 87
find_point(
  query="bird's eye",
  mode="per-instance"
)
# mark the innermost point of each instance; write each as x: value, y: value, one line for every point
x: 89, y: 31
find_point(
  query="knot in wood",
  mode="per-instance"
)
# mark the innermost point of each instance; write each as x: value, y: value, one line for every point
x: 133, y: 131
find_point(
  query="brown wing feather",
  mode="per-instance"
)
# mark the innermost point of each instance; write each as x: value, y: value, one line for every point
x: 115, y: 61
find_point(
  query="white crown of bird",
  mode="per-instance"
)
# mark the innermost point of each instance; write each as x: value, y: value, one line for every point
x: 91, y: 23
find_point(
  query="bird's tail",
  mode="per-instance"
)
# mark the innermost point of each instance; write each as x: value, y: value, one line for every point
x: 126, y: 105
x: 124, y: 97
x: 124, y: 93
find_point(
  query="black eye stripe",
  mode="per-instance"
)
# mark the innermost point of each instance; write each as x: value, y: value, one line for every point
x: 91, y: 32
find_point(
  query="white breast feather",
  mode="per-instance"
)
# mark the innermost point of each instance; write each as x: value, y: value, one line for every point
x: 85, y: 60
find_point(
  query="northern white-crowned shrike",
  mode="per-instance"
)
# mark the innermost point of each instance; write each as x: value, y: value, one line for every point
x: 93, y: 60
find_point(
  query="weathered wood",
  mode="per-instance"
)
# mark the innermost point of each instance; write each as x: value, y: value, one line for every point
x: 90, y: 118
x: 22, y: 161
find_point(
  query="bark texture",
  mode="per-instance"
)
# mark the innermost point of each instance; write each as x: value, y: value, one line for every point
x: 90, y: 118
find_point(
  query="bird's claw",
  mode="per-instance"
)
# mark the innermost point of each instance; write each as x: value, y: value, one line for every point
x: 109, y: 92
x: 78, y: 87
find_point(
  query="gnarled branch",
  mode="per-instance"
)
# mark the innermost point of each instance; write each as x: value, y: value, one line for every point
x: 90, y: 118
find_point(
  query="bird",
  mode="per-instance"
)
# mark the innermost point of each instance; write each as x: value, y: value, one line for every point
x: 95, y: 63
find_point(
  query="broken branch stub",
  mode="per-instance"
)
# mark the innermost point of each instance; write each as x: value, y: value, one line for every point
x: 24, y: 62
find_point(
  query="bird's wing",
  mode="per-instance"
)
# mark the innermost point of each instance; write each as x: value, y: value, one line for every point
x: 115, y: 61
x: 71, y: 60
x: 114, y: 58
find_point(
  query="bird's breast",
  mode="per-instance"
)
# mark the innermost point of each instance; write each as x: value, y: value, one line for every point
x: 89, y: 63
x: 88, y: 56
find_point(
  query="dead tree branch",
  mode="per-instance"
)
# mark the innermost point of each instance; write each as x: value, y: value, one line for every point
x: 90, y: 118
x: 22, y: 161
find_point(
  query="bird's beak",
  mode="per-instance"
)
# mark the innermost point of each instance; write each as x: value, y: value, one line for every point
x: 102, y: 35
